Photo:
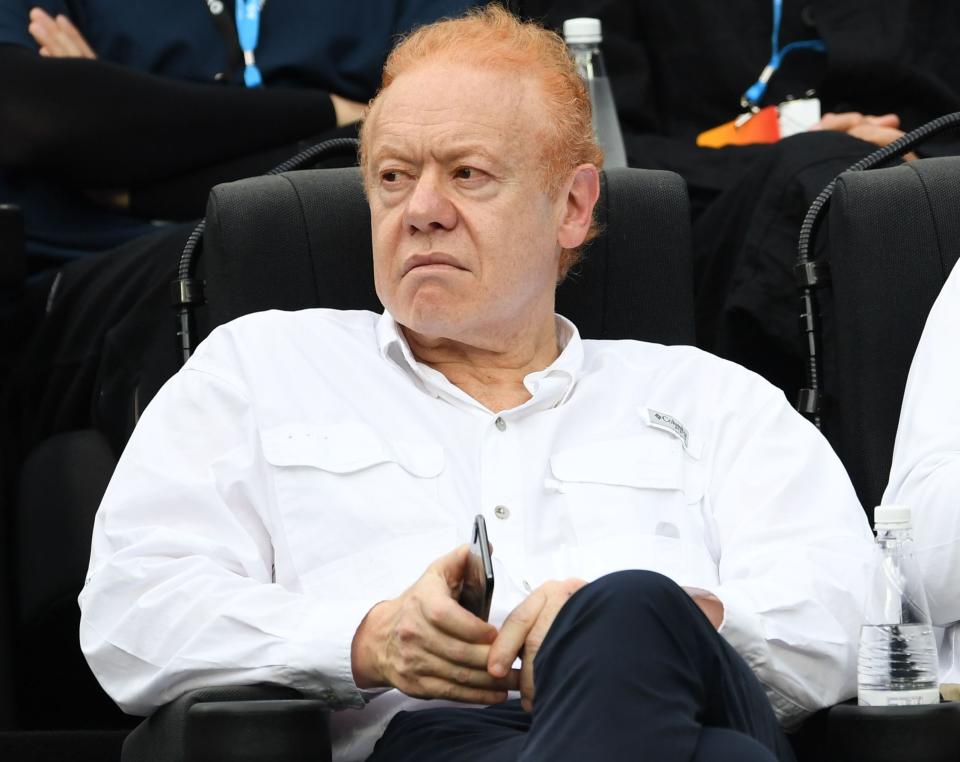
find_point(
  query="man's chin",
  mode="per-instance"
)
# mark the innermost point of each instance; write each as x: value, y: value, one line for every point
x: 433, y: 321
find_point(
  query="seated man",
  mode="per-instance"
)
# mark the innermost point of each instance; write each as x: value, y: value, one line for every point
x: 290, y: 505
x: 926, y: 468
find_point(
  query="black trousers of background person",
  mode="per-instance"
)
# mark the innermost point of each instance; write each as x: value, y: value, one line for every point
x: 630, y: 670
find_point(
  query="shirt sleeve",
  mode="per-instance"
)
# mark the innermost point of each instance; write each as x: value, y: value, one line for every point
x: 925, y: 473
x: 181, y: 589
x: 101, y: 124
x: 796, y: 554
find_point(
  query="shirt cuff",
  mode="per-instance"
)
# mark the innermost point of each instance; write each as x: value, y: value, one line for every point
x: 743, y: 629
x: 320, y: 662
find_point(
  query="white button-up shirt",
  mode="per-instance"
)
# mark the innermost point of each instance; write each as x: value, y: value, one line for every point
x: 304, y: 466
x: 926, y: 466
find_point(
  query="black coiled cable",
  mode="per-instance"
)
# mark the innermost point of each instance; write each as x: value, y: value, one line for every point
x: 811, y: 274
x: 187, y: 291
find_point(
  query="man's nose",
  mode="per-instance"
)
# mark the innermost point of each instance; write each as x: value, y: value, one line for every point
x: 428, y: 207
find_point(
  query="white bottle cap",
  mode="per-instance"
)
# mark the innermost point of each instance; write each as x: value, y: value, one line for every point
x: 582, y: 30
x: 891, y: 516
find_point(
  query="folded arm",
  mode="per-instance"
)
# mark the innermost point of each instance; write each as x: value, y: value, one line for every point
x: 99, y: 124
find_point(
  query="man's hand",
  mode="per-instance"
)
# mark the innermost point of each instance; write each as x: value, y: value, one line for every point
x: 709, y: 604
x: 347, y: 111
x: 427, y: 645
x: 524, y: 631
x: 58, y: 38
x: 879, y: 130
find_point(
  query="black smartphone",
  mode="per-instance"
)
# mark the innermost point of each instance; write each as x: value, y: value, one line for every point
x: 477, y: 590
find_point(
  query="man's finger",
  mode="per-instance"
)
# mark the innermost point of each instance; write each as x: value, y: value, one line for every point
x: 453, y: 620
x: 843, y: 122
x: 513, y: 634
x: 73, y: 39
x: 879, y: 136
x: 43, y: 29
x: 49, y: 35
x: 456, y: 651
x: 435, y: 688
x: 885, y: 120
x: 57, y: 37
x: 451, y: 567
x: 555, y: 600
x: 458, y: 674
x: 66, y: 40
x: 442, y: 610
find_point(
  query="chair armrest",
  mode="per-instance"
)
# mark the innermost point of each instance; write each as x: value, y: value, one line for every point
x: 233, y: 724
x: 894, y: 733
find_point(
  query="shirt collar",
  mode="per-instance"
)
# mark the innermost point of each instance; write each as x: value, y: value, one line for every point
x: 549, y: 387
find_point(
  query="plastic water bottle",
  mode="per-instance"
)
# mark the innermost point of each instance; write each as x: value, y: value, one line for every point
x: 583, y: 38
x: 897, y: 662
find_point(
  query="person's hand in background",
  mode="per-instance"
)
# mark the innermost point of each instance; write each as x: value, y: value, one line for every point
x: 879, y: 130
x: 347, y: 111
x: 58, y: 37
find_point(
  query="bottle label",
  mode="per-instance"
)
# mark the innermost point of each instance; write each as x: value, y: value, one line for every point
x: 867, y: 697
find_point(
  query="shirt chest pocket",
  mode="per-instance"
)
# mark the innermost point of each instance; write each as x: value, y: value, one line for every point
x: 344, y: 487
x: 631, y: 503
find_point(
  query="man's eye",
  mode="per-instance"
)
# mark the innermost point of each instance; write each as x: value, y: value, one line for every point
x: 466, y: 173
x: 390, y: 176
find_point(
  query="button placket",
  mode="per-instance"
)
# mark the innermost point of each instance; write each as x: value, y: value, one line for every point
x: 501, y: 494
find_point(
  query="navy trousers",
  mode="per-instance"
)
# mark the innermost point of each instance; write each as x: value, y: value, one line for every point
x: 630, y: 670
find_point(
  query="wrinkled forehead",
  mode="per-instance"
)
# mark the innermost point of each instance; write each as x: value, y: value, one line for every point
x: 447, y: 100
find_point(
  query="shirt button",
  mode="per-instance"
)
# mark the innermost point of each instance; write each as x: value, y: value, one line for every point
x: 501, y: 512
x: 526, y: 586
x: 500, y: 423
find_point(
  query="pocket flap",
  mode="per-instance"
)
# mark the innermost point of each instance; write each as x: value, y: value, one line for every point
x: 630, y: 462
x: 347, y: 447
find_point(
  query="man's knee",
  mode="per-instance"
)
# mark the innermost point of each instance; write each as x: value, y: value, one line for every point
x: 612, y: 628
x: 634, y: 587
x: 633, y: 601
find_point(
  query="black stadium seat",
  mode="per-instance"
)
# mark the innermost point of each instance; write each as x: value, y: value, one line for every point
x: 892, y: 238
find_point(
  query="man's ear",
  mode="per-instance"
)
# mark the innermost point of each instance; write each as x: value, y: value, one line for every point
x: 580, y: 197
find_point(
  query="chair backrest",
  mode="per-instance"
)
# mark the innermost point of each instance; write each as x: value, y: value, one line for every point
x: 302, y: 239
x: 60, y: 487
x: 894, y: 236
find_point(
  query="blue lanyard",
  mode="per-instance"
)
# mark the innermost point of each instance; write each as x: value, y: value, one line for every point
x: 755, y: 92
x: 248, y: 30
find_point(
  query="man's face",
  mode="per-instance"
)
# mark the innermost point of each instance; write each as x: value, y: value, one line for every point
x: 465, y: 241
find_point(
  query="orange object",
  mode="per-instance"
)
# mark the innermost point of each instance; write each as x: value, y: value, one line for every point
x: 762, y: 127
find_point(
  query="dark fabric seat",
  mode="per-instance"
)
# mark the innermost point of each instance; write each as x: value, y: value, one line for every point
x: 302, y: 239
x: 56, y: 709
x: 893, y: 237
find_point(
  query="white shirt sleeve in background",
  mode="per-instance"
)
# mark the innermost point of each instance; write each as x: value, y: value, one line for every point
x: 925, y: 473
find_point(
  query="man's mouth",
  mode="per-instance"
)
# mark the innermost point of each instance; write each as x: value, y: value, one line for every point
x: 427, y: 260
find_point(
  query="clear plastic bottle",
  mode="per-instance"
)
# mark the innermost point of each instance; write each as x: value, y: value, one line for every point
x: 583, y: 37
x: 897, y: 661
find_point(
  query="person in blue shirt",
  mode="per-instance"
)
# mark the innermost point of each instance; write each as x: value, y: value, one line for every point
x: 115, y: 114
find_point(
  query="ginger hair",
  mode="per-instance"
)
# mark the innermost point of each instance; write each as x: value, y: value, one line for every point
x: 493, y: 38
